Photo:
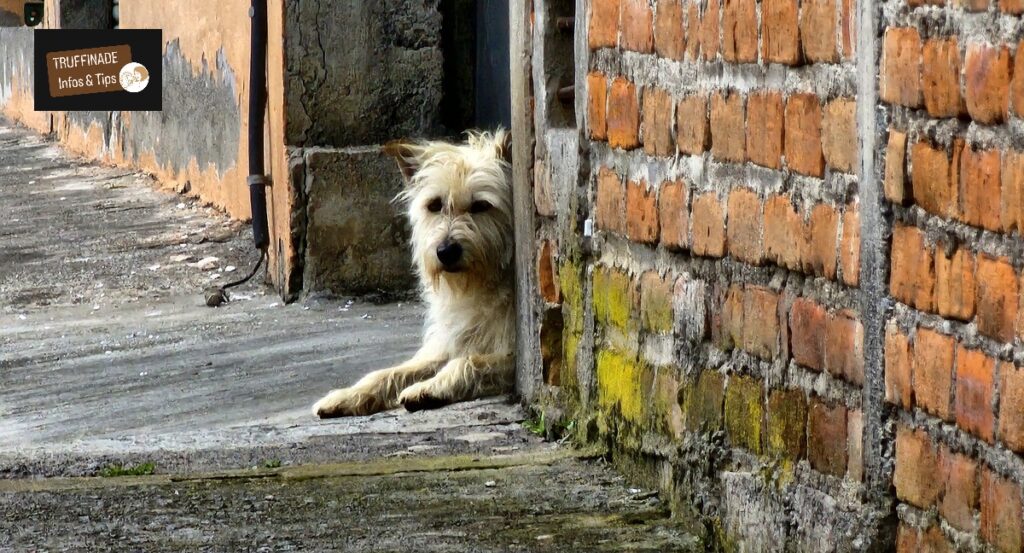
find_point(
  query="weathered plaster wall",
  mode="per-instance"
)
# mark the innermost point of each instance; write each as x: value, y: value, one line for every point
x: 197, y: 144
x: 12, y: 13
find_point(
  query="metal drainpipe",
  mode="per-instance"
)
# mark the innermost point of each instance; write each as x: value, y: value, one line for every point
x: 257, y: 105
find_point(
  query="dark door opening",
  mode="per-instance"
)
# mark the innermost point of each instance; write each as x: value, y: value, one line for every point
x: 475, y: 40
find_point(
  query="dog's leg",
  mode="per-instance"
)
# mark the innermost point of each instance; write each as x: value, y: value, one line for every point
x: 377, y: 391
x: 462, y: 379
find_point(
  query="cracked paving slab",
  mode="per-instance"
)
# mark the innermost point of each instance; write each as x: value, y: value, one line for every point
x: 109, y: 356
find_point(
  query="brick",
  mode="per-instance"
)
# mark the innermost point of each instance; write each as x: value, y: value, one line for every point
x: 637, y: 26
x: 954, y: 284
x: 960, y: 492
x: 933, y: 376
x: 907, y: 539
x: 934, y: 541
x: 673, y: 215
x: 780, y: 36
x: 997, y: 298
x: 603, y: 31
x: 987, y: 82
x: 764, y: 128
x: 656, y: 302
x: 849, y: 246
x: 933, y: 187
x: 912, y: 276
x: 739, y: 31
x: 807, y: 333
x: 855, y: 444
x: 761, y: 322
x: 623, y: 115
x: 1011, y: 406
x: 940, y: 78
x: 917, y: 477
x: 611, y: 202
x: 1017, y: 84
x: 898, y: 367
x: 900, y: 79
x: 847, y: 28
x: 972, y: 5
x: 744, y: 413
x: 658, y: 120
x: 844, y: 347
x: 727, y: 333
x: 1012, y: 7
x: 692, y: 129
x: 785, y: 240
x: 896, y: 167
x: 546, y: 273
x: 710, y: 37
x: 669, y: 37
x: 727, y: 128
x: 826, y: 438
x: 1001, y: 512
x: 597, y: 99
x: 803, y: 135
x: 708, y: 226
x: 1011, y: 213
x: 702, y: 406
x: 693, y: 27
x: 641, y: 212
x: 822, y: 257
x: 839, y: 135
x: 614, y: 295
x: 979, y: 188
x: 745, y: 226
x: 818, y: 30
x: 974, y: 390
x: 786, y: 424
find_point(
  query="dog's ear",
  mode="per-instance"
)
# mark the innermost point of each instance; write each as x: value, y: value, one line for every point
x: 406, y: 154
x: 504, y: 144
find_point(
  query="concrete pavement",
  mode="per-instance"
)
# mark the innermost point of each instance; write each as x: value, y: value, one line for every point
x: 109, y: 357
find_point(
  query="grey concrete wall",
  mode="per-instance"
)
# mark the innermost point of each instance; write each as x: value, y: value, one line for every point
x: 362, y: 72
x: 358, y: 74
x: 357, y: 238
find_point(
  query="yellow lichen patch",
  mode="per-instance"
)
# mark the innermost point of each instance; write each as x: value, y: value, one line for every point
x: 613, y: 298
x: 572, y: 295
x: 619, y: 384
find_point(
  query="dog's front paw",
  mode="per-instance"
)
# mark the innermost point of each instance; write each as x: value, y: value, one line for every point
x: 345, y: 402
x: 419, y: 396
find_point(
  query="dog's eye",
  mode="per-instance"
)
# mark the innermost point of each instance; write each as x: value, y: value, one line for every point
x: 435, y: 205
x: 479, y: 206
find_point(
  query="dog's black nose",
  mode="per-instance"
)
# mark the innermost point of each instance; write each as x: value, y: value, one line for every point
x: 449, y: 253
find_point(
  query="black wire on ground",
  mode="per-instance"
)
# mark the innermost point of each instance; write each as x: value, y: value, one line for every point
x: 218, y: 296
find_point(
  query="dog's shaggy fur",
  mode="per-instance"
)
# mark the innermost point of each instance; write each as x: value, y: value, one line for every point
x: 459, y: 202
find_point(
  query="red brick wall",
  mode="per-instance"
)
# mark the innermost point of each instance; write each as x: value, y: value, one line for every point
x: 953, y: 180
x: 726, y: 319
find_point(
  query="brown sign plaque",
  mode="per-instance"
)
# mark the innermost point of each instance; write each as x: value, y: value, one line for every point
x: 88, y: 71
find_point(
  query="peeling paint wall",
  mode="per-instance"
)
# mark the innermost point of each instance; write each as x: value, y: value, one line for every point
x: 197, y: 144
x: 12, y: 13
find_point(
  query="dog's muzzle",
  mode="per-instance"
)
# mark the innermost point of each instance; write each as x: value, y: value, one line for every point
x: 449, y: 254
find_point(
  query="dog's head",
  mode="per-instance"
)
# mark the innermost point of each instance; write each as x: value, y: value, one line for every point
x: 459, y: 203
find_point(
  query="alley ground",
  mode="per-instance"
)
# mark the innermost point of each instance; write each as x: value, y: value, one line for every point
x: 110, y: 358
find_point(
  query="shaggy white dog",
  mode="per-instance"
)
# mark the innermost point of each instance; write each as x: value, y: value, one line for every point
x: 459, y: 202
